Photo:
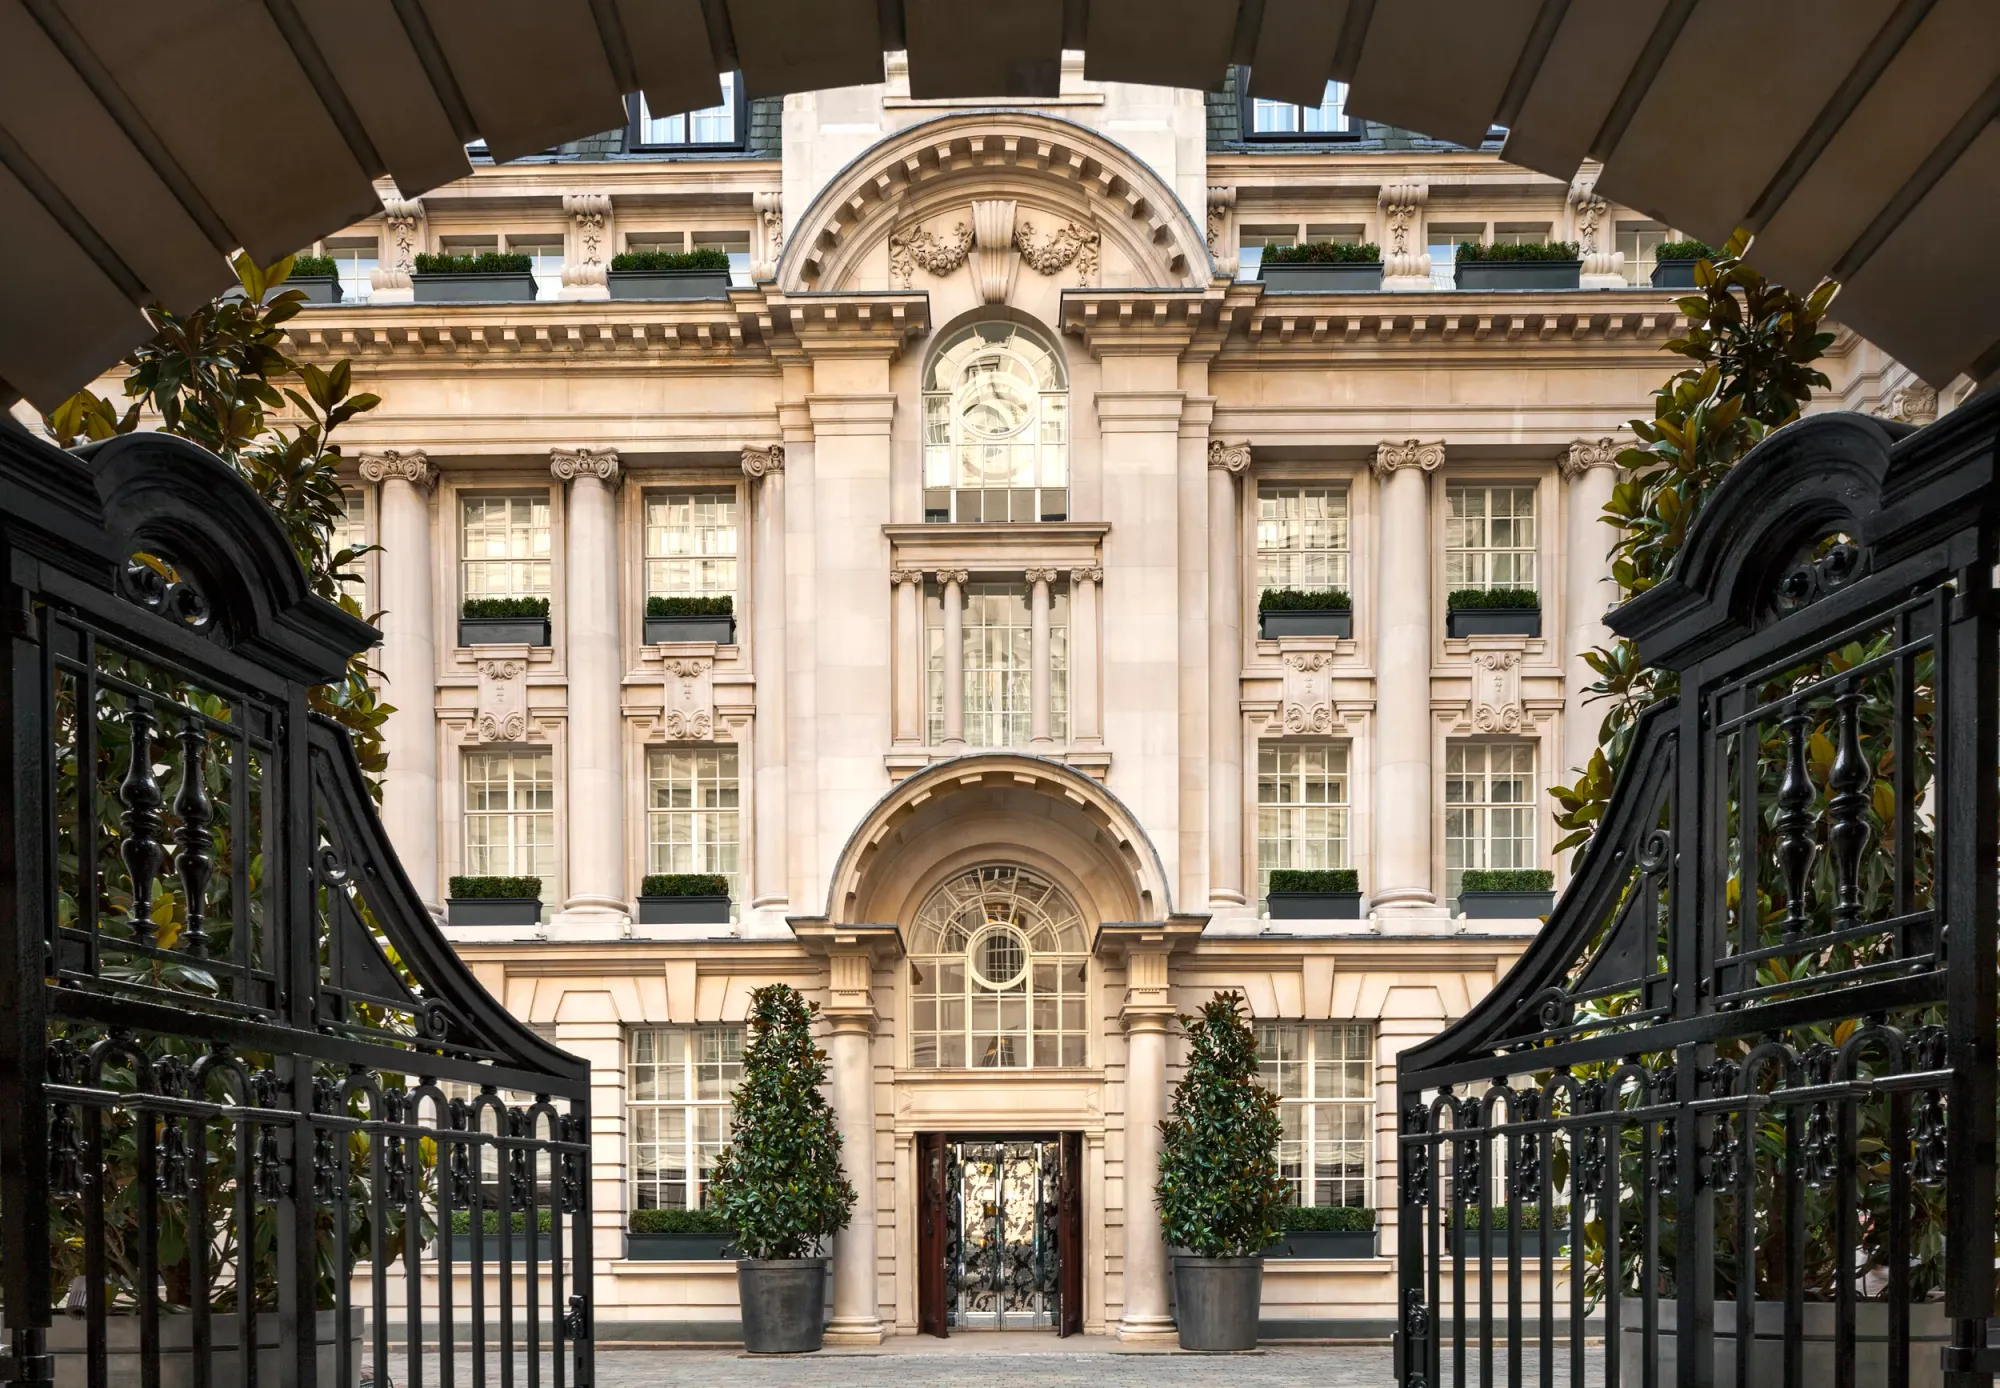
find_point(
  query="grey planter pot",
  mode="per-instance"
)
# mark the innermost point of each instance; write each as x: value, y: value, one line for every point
x: 1674, y: 274
x: 473, y: 289
x: 677, y: 1247
x: 516, y: 1247
x: 1929, y: 1333
x: 493, y: 910
x: 784, y: 1301
x: 1491, y: 906
x: 1326, y: 621
x: 1519, y: 274
x: 1361, y: 276
x: 503, y: 631
x: 1216, y: 1301
x: 661, y: 630
x: 319, y: 289
x: 1495, y: 1245
x: 1493, y: 621
x: 68, y: 1346
x: 683, y: 910
x: 669, y: 284
x: 1314, y: 906
x: 1324, y: 1243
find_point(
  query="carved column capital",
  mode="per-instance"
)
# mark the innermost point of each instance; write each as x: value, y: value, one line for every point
x: 902, y: 576
x: 1229, y: 457
x: 759, y: 459
x: 1089, y: 575
x: 1391, y: 455
x: 1040, y: 575
x: 958, y: 576
x: 1585, y: 454
x: 1916, y: 403
x: 602, y: 463
x: 412, y: 467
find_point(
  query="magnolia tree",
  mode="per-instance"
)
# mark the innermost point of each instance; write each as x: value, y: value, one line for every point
x: 1220, y: 1191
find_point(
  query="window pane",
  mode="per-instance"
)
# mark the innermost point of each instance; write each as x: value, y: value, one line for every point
x: 1489, y: 793
x: 995, y: 428
x: 505, y: 543
x: 692, y: 820
x: 675, y: 1138
x: 997, y: 963
x: 1301, y: 537
x: 1489, y: 536
x: 510, y: 815
x: 691, y: 543
x: 1301, y: 808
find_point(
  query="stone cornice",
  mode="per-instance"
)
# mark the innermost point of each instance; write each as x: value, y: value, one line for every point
x: 567, y: 464
x: 410, y: 465
x: 1151, y: 320
x: 1391, y: 455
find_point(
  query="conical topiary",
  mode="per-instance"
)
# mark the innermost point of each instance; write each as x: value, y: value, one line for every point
x: 1219, y: 1189
x: 778, y: 1184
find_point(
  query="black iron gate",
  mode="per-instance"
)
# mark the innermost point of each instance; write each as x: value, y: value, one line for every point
x: 1746, y: 1075
x: 258, y: 1124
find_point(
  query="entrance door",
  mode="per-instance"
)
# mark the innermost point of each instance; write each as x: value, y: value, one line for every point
x: 931, y: 1225
x: 1069, y: 1236
x: 993, y: 1251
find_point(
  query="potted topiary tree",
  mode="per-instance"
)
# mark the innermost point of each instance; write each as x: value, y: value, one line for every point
x: 1304, y: 612
x: 504, y: 622
x: 1506, y: 893
x: 317, y: 276
x: 1493, y: 612
x: 778, y: 1184
x: 1220, y: 1190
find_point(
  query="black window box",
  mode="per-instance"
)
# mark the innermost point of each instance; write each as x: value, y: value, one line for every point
x: 684, y: 910
x: 660, y: 630
x: 1339, y: 277
x: 493, y: 910
x: 1519, y: 274
x: 1495, y: 1243
x: 1493, y: 621
x: 669, y: 284
x: 474, y: 289
x: 1674, y: 274
x: 503, y: 631
x: 678, y: 1247
x: 521, y: 1252
x: 1490, y: 906
x: 1314, y: 906
x: 1324, y: 1243
x: 319, y: 289
x: 1325, y: 621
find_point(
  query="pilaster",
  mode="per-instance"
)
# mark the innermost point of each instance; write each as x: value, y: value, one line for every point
x: 1227, y: 465
x: 409, y: 660
x: 770, y: 896
x: 1400, y: 883
x: 1590, y: 471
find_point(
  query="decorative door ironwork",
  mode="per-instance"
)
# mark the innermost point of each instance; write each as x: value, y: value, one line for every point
x: 255, y: 1115
x: 1001, y: 1243
x: 1748, y: 1066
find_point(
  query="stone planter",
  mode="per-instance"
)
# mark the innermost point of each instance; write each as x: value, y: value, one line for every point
x: 668, y: 284
x: 1314, y: 906
x: 1340, y: 277
x: 1493, y: 621
x: 503, y: 631
x: 784, y: 1304
x: 1495, y: 1244
x: 1501, y: 906
x: 683, y: 910
x: 68, y: 1346
x: 661, y: 630
x: 319, y: 289
x: 677, y: 1247
x: 1216, y: 1301
x: 1324, y: 621
x: 1519, y: 274
x: 492, y: 910
x: 1674, y: 274
x: 1324, y: 1243
x: 474, y: 289
x: 1930, y: 1331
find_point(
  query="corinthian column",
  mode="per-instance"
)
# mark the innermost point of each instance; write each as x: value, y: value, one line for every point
x: 953, y: 581
x: 1041, y: 674
x: 1147, y: 1011
x: 1402, y: 839
x: 598, y: 875
x: 409, y: 662
x: 1591, y: 470
x: 851, y: 1013
x: 909, y: 692
x: 1226, y: 463
x: 770, y: 896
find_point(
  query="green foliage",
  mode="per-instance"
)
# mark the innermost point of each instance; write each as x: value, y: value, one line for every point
x: 314, y: 267
x: 505, y: 609
x: 461, y: 1222
x: 1220, y: 1190
x: 778, y: 1184
x: 722, y: 606
x: 1530, y: 250
x: 1315, y: 880
x: 1304, y: 600
x: 1498, y: 1217
x: 491, y: 888
x: 1323, y: 253
x: 1326, y: 1219
x: 1514, y: 599
x: 1506, y: 880
x: 1684, y: 250
x: 484, y: 263
x: 654, y: 262
x: 684, y: 884
x: 677, y: 1222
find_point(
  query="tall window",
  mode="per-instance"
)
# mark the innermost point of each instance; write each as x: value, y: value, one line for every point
x: 1301, y: 807
x: 1489, y: 808
x: 692, y: 813
x: 510, y: 815
x: 1489, y: 537
x: 691, y: 543
x: 1301, y: 536
x: 1283, y: 118
x: 546, y: 256
x: 1320, y: 1073
x: 997, y: 963
x: 996, y: 428
x: 1443, y: 244
x: 357, y: 261
x: 1641, y: 243
x: 998, y: 663
x: 713, y: 125
x: 678, y: 1082
x: 506, y: 546
x: 351, y: 532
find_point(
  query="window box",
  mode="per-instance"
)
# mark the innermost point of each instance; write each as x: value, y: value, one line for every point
x: 669, y: 284
x: 684, y: 910
x: 318, y: 289
x: 1519, y: 274
x: 1495, y: 906
x: 721, y: 629
x: 1497, y: 1243
x: 1493, y: 621
x: 1674, y: 274
x: 493, y: 910
x: 1326, y: 621
x: 1323, y: 1243
x: 1314, y: 906
x: 1347, y: 277
x: 474, y: 289
x: 521, y: 1251
x: 503, y: 631
x: 677, y: 1247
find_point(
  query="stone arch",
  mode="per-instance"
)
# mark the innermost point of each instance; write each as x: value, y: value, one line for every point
x: 1056, y: 172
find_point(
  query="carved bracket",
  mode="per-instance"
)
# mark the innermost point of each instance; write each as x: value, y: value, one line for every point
x: 503, y: 701
x: 1308, y: 701
x: 1496, y: 692
x: 688, y: 709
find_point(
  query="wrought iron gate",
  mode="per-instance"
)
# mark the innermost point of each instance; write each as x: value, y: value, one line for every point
x: 1002, y: 1253
x: 257, y: 1121
x: 1746, y: 1074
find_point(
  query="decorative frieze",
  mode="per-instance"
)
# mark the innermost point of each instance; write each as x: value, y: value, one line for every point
x: 911, y: 250
x: 760, y: 459
x: 410, y: 465
x: 1585, y: 454
x: 1409, y: 453
x: 568, y: 464
x: 1496, y: 692
x: 687, y: 711
x: 1308, y: 698
x: 1228, y: 457
x: 1067, y: 245
x: 502, y: 710
x: 1406, y: 264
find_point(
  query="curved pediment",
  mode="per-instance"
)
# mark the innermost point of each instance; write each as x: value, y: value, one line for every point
x: 996, y: 194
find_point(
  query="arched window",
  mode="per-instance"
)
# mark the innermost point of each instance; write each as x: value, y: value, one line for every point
x: 996, y: 428
x: 997, y: 963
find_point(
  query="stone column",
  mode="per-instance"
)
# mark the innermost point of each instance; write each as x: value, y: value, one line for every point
x: 909, y: 656
x: 1402, y: 834
x: 1084, y: 728
x: 1040, y: 666
x: 1148, y: 1010
x: 409, y: 661
x: 765, y: 468
x: 1406, y: 258
x: 954, y: 656
x: 598, y: 871
x: 1226, y: 463
x: 1591, y: 470
x: 850, y: 1012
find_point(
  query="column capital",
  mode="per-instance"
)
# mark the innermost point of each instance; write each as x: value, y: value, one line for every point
x: 412, y: 467
x: 568, y: 464
x: 1089, y: 575
x: 1585, y: 454
x: 1034, y: 575
x: 1390, y: 455
x: 1228, y: 457
x: 900, y: 576
x: 958, y: 576
x: 760, y: 459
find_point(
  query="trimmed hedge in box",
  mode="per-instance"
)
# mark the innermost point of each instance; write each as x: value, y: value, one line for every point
x: 1324, y: 1231
x: 315, y: 276
x: 1506, y: 893
x: 702, y: 274
x: 665, y: 1235
x: 1493, y: 612
x: 1304, y: 612
x: 494, y: 901
x: 684, y: 898
x: 1532, y: 265
x: 516, y: 1243
x: 1495, y: 1238
x: 1674, y: 262
x: 1322, y: 267
x: 691, y: 619
x: 504, y: 622
x: 1314, y: 894
x: 488, y: 277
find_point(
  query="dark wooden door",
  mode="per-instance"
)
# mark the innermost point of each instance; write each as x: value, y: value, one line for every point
x: 1069, y: 1235
x: 931, y: 1189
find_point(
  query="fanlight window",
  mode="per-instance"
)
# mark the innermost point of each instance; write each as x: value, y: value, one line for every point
x: 997, y: 961
x: 996, y: 428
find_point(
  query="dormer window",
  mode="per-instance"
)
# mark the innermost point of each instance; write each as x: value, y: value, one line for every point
x: 996, y: 428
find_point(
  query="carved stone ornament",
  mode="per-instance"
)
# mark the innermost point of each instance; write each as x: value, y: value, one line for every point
x: 917, y: 249
x: 1068, y: 244
x: 1496, y: 692
x: 1591, y: 230
x: 503, y: 702
x: 958, y: 576
x: 570, y: 463
x: 688, y: 707
x: 1091, y: 575
x: 759, y: 459
x: 1403, y: 252
x: 1228, y: 457
x: 770, y: 210
x: 1308, y: 702
x: 900, y: 576
x: 993, y: 258
x: 1040, y: 575
x: 1911, y: 404
x: 589, y: 217
x: 404, y: 222
x: 412, y: 467
x: 1221, y: 198
x: 1585, y: 454
x: 1409, y: 453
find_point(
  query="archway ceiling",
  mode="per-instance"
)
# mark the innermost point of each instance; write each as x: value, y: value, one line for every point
x: 1856, y: 137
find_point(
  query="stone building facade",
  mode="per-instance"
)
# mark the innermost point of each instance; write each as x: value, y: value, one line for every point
x: 994, y: 443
